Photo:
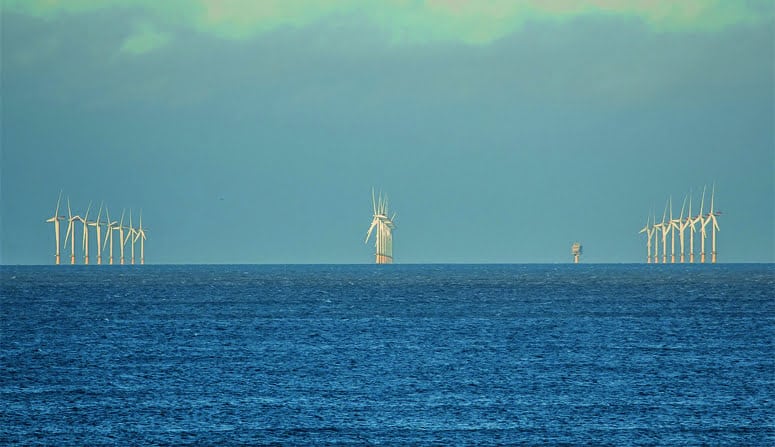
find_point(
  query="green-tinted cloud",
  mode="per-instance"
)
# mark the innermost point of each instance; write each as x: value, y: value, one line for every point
x: 145, y: 39
x: 468, y: 21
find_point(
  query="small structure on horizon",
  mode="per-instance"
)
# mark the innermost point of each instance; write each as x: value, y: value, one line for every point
x: 576, y: 251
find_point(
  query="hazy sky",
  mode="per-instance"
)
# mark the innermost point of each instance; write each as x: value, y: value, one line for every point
x: 502, y: 131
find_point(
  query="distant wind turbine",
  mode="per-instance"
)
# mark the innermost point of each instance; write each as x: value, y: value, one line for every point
x: 683, y: 224
x: 673, y: 226
x: 121, y: 239
x: 129, y: 235
x: 110, y: 228
x: 55, y: 219
x: 98, y: 227
x: 701, y: 221
x: 70, y: 233
x: 712, y: 218
x: 85, y: 242
x: 649, y: 230
x: 384, y: 226
x: 664, y: 228
x: 141, y: 235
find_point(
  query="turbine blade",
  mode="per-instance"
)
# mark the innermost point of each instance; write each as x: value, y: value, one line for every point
x: 56, y: 213
x: 712, y: 195
x: 371, y: 228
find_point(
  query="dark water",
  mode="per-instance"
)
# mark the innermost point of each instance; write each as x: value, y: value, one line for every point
x: 391, y: 355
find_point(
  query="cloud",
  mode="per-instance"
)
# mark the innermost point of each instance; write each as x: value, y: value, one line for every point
x: 404, y: 21
x: 144, y: 39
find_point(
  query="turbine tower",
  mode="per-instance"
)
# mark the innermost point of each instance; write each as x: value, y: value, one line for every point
x: 649, y: 230
x: 712, y: 217
x: 109, y: 234
x: 70, y: 233
x: 691, y: 221
x: 673, y: 226
x: 121, y: 239
x: 665, y: 228
x: 385, y: 226
x: 98, y: 226
x: 683, y: 224
x: 576, y: 251
x: 141, y: 235
x: 129, y: 235
x: 655, y: 231
x: 702, y: 222
x: 55, y: 219
x: 85, y: 241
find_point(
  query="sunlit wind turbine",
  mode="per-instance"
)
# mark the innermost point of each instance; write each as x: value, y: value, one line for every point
x: 384, y: 226
x: 55, y: 219
x: 70, y: 233
x: 98, y: 227
x: 85, y: 241
x: 141, y: 235
x: 649, y: 230
x: 110, y: 228
x: 702, y: 223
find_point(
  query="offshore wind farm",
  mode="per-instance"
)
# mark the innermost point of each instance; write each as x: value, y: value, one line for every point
x: 689, y: 223
x: 127, y: 234
x: 383, y: 224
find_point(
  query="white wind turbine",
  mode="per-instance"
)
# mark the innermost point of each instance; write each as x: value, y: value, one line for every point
x: 712, y: 217
x: 673, y: 224
x: 85, y: 241
x: 140, y: 234
x: 701, y: 221
x: 384, y: 226
x: 655, y: 232
x: 55, y: 219
x: 129, y: 235
x: 682, y: 225
x: 691, y: 221
x: 649, y: 233
x: 98, y: 226
x: 109, y: 234
x: 70, y: 233
x: 121, y: 239
x: 664, y: 227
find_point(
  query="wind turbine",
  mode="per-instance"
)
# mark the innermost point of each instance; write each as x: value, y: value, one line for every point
x: 55, y: 219
x: 109, y: 234
x: 385, y: 226
x: 649, y: 233
x: 712, y: 217
x: 702, y: 222
x: 673, y: 224
x: 664, y: 227
x: 140, y: 233
x: 121, y: 239
x: 691, y: 221
x: 129, y: 236
x: 70, y: 233
x: 97, y: 226
x: 84, y: 221
x: 682, y: 225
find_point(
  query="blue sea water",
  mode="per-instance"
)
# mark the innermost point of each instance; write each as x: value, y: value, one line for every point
x: 388, y: 355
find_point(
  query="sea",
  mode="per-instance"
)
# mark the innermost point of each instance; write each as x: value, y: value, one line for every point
x: 396, y: 355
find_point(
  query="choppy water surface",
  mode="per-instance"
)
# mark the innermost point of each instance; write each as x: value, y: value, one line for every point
x: 392, y: 355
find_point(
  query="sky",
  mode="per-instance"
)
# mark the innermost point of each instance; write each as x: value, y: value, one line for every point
x: 501, y: 131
